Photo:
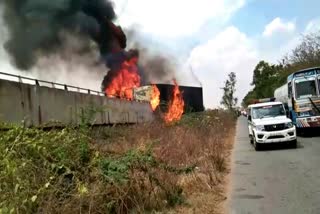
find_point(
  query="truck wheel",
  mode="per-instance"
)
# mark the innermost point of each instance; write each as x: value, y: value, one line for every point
x: 256, y: 145
x: 294, y: 144
x: 301, y: 132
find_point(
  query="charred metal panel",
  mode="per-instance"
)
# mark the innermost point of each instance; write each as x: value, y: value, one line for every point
x: 192, y: 96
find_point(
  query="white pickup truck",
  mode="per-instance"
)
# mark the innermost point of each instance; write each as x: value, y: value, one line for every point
x: 268, y: 123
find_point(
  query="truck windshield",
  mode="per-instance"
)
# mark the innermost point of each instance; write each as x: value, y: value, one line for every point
x: 305, y: 88
x: 268, y: 111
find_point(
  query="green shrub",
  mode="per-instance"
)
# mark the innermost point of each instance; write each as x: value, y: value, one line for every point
x: 52, y: 171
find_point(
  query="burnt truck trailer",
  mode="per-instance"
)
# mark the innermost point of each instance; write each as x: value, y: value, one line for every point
x: 192, y: 96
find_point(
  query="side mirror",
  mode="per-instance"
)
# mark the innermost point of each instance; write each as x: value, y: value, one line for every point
x: 249, y: 118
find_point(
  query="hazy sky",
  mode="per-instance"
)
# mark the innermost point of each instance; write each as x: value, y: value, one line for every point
x: 216, y: 37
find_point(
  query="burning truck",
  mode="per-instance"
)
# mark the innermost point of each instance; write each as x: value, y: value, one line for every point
x: 38, y: 29
x: 124, y: 79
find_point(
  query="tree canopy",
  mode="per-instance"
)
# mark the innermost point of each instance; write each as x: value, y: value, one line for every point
x: 267, y: 77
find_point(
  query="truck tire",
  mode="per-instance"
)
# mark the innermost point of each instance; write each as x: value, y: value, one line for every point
x: 257, y: 146
x: 301, y: 132
x: 294, y: 144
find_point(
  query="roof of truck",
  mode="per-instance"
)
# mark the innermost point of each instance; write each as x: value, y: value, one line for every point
x: 264, y: 104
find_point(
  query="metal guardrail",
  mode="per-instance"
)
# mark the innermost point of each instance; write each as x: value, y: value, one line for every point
x: 54, y: 85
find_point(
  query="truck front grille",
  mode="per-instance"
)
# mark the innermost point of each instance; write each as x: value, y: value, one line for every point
x: 276, y: 137
x: 275, y: 127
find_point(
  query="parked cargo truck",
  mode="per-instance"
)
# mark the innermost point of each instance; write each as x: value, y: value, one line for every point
x: 301, y: 95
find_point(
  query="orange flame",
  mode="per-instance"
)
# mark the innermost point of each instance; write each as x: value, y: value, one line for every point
x: 126, y: 79
x: 155, y: 97
x: 176, y: 105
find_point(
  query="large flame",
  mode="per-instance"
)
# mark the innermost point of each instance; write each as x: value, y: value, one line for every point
x: 155, y: 97
x: 125, y: 81
x: 176, y: 105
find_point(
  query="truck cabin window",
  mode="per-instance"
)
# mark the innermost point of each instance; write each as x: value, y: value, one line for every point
x: 305, y: 88
x: 268, y: 111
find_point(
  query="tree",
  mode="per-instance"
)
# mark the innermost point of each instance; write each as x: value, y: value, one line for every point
x: 249, y: 98
x: 307, y: 52
x: 228, y: 99
x: 265, y: 79
x: 305, y: 55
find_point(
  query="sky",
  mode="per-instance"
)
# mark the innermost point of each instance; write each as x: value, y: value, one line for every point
x: 216, y: 37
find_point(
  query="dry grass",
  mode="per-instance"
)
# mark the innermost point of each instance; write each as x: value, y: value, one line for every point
x: 177, y: 168
x: 203, y: 140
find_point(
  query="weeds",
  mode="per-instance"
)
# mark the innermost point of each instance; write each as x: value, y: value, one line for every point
x: 200, y: 141
x: 33, y: 161
x: 137, y: 169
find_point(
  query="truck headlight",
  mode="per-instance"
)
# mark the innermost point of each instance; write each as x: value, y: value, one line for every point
x: 260, y: 128
x: 289, y: 125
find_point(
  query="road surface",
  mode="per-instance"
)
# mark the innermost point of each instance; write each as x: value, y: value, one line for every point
x: 276, y: 180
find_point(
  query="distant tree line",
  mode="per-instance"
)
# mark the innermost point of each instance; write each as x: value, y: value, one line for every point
x: 267, y: 77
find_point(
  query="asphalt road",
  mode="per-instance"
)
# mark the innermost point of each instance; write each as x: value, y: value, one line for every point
x: 276, y: 180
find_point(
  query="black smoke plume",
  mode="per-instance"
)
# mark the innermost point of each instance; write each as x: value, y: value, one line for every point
x: 35, y: 27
